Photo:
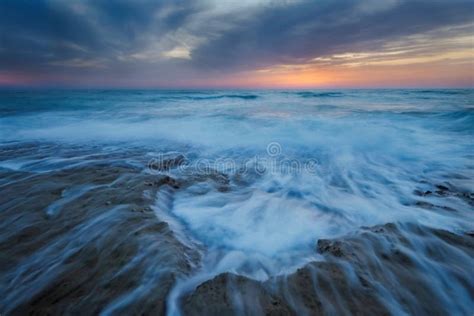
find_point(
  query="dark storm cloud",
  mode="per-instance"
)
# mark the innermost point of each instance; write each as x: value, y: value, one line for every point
x: 53, y: 36
x: 32, y: 31
x: 38, y: 33
x: 304, y: 30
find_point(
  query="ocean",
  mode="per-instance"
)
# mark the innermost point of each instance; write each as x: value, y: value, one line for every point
x: 132, y: 201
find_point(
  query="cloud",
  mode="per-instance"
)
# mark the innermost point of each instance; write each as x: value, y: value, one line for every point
x: 304, y: 30
x: 182, y: 39
x: 41, y: 33
x: 178, y: 52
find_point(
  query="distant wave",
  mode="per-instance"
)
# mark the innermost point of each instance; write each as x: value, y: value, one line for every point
x: 460, y: 121
x: 214, y: 97
x: 202, y: 97
x: 309, y: 94
x: 230, y: 96
x: 444, y: 92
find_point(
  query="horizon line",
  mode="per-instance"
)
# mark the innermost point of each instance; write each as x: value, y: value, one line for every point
x: 217, y: 88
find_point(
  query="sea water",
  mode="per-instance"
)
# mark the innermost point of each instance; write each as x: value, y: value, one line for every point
x: 303, y: 164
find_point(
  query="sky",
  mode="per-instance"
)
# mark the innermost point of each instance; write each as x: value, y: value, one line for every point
x: 237, y: 43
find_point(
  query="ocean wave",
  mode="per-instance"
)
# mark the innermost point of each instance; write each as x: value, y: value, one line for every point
x: 443, y: 92
x: 205, y: 97
x: 226, y: 96
x: 460, y: 121
x: 436, y: 94
x: 309, y: 94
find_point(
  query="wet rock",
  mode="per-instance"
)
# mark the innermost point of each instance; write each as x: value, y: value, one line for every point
x: 167, y: 180
x: 101, y: 252
x: 448, y: 190
x: 382, y: 229
x: 329, y: 246
x: 166, y: 162
x: 422, y: 193
x: 322, y: 288
x: 220, y: 180
x: 229, y: 294
x: 442, y: 188
x: 430, y: 206
x: 424, y: 204
x: 386, y: 256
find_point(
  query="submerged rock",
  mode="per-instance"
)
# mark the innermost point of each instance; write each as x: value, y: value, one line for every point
x: 93, y: 256
x: 166, y: 162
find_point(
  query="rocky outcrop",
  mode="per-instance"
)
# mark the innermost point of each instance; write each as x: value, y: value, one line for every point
x: 103, y: 250
x: 372, y: 272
